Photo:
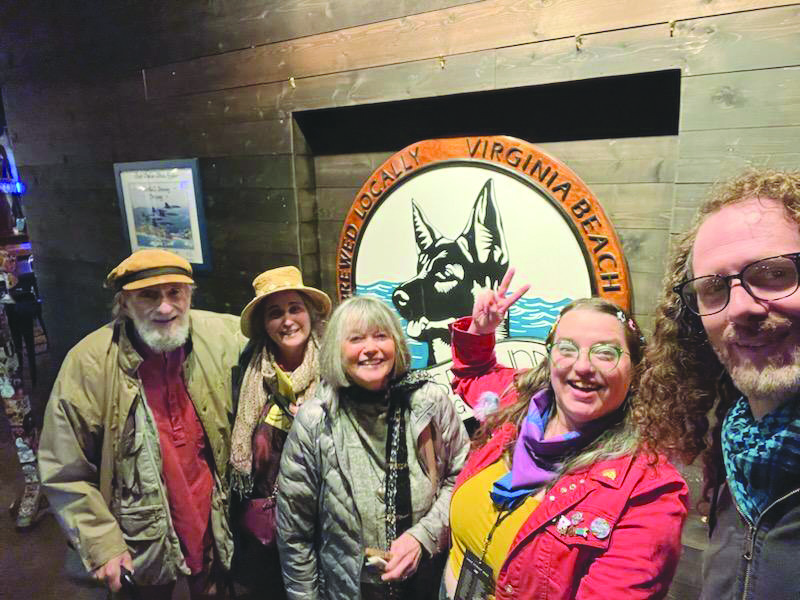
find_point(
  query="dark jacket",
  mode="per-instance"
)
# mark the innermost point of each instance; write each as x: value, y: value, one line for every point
x: 752, y: 562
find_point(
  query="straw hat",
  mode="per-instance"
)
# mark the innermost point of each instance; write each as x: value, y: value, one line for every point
x: 152, y: 266
x: 279, y: 280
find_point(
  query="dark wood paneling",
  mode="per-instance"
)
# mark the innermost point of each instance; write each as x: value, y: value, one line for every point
x: 347, y: 170
x: 224, y: 292
x: 687, y: 198
x: 733, y: 42
x: 646, y: 251
x: 335, y: 202
x: 636, y: 205
x: 647, y: 48
x: 742, y: 41
x: 82, y: 225
x: 250, y: 205
x: 35, y: 107
x: 62, y: 148
x: 237, y: 248
x: 165, y: 138
x: 632, y: 160
x: 593, y: 55
x: 707, y: 156
x: 646, y: 288
x: 58, y: 39
x: 247, y: 172
x: 69, y: 176
x: 216, y: 27
x: 74, y: 301
x: 429, y: 35
x: 764, y: 98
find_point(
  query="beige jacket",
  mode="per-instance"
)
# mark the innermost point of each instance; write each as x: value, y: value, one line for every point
x: 100, y: 457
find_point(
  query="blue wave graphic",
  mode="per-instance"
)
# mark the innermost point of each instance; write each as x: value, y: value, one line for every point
x: 529, y: 317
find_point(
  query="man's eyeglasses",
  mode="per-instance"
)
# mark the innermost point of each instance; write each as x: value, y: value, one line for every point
x: 603, y: 356
x: 766, y: 279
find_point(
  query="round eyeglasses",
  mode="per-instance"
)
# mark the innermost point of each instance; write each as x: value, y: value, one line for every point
x: 766, y: 279
x: 603, y: 356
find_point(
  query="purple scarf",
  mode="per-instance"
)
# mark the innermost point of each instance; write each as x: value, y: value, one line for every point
x: 536, y: 460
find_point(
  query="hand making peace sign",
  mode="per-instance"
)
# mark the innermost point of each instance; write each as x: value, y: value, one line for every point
x: 490, y: 306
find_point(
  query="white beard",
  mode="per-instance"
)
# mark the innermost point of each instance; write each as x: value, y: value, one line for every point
x: 160, y: 339
x: 773, y: 383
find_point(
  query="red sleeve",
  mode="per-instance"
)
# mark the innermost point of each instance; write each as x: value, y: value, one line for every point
x: 475, y: 366
x: 645, y: 546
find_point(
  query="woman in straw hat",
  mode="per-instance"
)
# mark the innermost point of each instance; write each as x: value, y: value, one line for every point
x: 280, y: 369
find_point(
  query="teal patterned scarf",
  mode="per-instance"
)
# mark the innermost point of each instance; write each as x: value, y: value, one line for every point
x: 762, y: 458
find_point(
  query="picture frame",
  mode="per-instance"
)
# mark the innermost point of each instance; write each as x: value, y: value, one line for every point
x: 161, y: 202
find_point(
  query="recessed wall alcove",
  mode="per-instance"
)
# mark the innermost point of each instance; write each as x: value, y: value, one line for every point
x: 618, y: 133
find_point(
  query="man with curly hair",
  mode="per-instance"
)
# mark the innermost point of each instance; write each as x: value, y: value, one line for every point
x: 725, y: 359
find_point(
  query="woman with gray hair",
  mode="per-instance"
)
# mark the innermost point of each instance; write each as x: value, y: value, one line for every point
x: 368, y: 468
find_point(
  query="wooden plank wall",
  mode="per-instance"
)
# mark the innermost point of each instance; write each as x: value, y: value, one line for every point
x: 225, y: 96
x: 74, y: 96
x: 85, y: 85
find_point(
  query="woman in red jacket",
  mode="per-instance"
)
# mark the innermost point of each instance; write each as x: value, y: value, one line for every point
x: 558, y: 499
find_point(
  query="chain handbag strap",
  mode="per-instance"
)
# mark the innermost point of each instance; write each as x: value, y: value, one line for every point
x: 391, y: 477
x: 396, y: 437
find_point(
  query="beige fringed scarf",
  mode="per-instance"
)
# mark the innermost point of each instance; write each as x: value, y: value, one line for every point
x: 293, y: 387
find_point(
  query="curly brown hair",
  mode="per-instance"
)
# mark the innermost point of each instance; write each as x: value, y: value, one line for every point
x: 618, y: 440
x: 689, y: 390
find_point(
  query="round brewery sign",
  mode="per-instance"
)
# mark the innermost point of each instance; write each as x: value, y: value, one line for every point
x: 442, y: 219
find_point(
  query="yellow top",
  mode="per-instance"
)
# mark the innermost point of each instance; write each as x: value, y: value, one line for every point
x: 275, y: 416
x: 473, y: 514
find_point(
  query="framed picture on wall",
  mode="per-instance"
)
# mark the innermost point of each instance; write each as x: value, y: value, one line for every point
x: 162, y: 207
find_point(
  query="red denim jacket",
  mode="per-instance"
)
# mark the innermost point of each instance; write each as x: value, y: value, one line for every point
x: 643, y: 505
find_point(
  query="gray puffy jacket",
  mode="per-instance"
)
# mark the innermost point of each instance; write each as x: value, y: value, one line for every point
x: 319, y: 528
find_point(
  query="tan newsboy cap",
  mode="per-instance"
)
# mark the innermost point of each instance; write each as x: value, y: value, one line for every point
x: 149, y: 267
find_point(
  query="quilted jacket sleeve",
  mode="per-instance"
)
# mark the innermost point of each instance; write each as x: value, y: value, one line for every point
x: 432, y: 530
x: 298, y: 490
x: 645, y: 546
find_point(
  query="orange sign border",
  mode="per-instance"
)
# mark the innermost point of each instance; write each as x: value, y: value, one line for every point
x: 601, y: 245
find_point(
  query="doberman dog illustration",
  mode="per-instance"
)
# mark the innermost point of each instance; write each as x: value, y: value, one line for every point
x: 451, y: 272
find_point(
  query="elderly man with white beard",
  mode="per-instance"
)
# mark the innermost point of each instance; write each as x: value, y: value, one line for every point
x: 727, y: 346
x: 134, y: 449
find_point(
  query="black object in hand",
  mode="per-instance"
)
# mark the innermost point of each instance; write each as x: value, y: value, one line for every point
x: 128, y: 584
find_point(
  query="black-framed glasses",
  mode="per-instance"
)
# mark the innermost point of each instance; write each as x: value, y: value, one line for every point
x: 770, y: 278
x: 603, y: 356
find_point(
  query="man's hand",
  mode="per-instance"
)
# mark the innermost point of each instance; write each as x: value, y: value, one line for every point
x: 109, y: 572
x: 490, y: 306
x: 405, y: 554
